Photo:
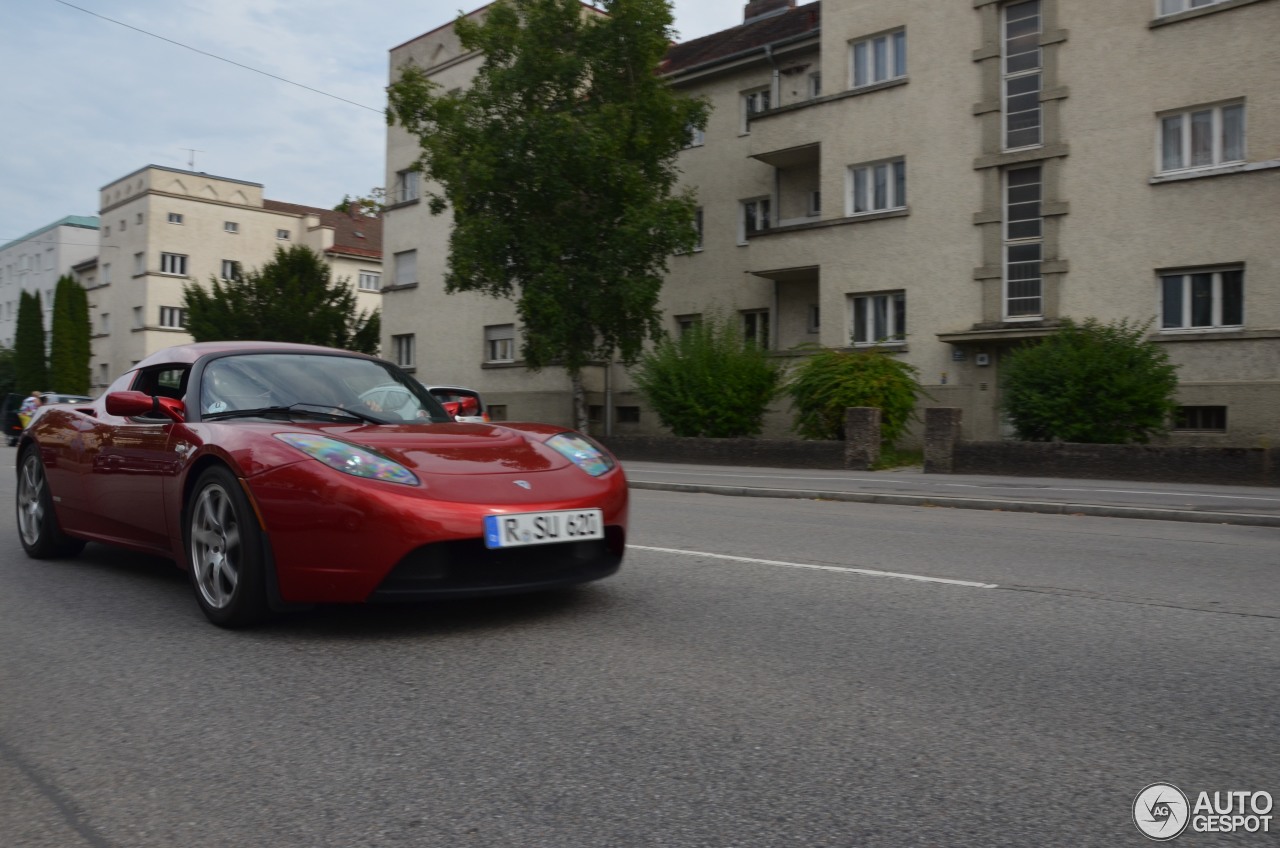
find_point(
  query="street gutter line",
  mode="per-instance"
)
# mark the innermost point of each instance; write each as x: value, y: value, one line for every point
x: 1042, y: 507
x: 866, y: 572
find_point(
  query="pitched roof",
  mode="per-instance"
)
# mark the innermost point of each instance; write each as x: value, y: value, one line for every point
x: 792, y: 23
x: 355, y: 236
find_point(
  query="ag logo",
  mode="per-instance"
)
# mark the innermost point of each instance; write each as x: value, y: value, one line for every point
x: 1161, y: 812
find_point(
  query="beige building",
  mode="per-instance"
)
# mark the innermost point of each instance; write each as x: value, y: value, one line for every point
x: 948, y: 180
x: 34, y: 263
x: 163, y: 228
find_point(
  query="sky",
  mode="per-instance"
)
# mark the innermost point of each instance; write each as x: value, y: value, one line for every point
x: 85, y: 101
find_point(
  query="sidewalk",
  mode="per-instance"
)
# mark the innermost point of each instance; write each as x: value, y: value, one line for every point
x: 1213, y: 504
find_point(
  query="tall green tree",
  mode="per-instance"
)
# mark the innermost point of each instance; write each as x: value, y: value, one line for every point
x: 30, y: 369
x: 558, y: 166
x: 8, y: 381
x: 292, y: 298
x: 1090, y: 382
x: 69, y: 346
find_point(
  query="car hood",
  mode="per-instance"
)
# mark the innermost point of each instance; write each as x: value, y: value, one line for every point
x: 434, y: 449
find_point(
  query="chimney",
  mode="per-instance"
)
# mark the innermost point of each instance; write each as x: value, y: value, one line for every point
x: 758, y: 9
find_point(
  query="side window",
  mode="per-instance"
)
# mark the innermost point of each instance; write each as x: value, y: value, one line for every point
x: 163, y: 380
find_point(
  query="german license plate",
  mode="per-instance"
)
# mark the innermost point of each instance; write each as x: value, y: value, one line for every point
x: 542, y: 528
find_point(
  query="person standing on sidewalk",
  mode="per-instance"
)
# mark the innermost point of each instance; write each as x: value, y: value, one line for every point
x: 29, y: 406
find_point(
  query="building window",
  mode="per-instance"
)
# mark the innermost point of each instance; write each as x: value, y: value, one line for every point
x: 1202, y: 299
x: 500, y: 343
x: 407, y: 187
x: 1204, y: 418
x: 815, y: 84
x: 173, y: 317
x: 370, y: 281
x: 282, y: 235
x: 686, y: 323
x: 1023, y: 243
x: 815, y: 204
x: 106, y: 273
x: 175, y: 217
x: 878, y: 59
x: 753, y: 103
x: 1022, y: 66
x: 879, y: 318
x: 755, y: 327
x: 230, y: 269
x: 138, y: 218
x: 106, y: 232
x: 104, y: 374
x: 231, y: 226
x: 402, y: 350
x: 627, y: 414
x: 406, y: 265
x: 139, y: 319
x: 755, y: 217
x: 878, y: 187
x: 1173, y: 7
x: 813, y: 319
x: 696, y: 137
x: 124, y: 225
x: 173, y: 263
x: 139, y: 264
x: 104, y: 322
x: 497, y: 412
x: 1202, y: 137
x: 697, y: 225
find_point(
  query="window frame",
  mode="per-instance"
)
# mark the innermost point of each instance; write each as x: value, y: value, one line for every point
x: 1185, y: 6
x: 408, y: 186
x: 232, y: 227
x: 1010, y: 244
x: 365, y: 285
x: 745, y: 232
x: 173, y: 317
x: 866, y: 67
x: 756, y: 323
x: 405, y: 264
x: 177, y: 218
x: 894, y: 314
x: 750, y: 100
x: 1186, y: 137
x: 1218, y: 320
x: 895, y: 184
x: 1009, y: 78
x: 283, y: 235
x: 500, y: 343
x: 404, y: 350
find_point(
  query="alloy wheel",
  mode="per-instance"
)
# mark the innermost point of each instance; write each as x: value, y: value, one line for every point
x: 215, y: 546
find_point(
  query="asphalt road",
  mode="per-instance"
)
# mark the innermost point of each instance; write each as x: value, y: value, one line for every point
x: 761, y: 674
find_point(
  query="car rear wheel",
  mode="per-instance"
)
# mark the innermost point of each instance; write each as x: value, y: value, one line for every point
x: 224, y: 548
x: 38, y: 528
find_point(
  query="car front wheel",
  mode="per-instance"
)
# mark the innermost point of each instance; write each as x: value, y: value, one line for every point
x: 224, y: 547
x: 38, y: 528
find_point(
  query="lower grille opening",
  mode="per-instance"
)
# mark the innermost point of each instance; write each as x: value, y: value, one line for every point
x: 466, y: 567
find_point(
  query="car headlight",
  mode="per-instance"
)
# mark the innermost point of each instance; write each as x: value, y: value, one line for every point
x: 582, y: 453
x: 348, y: 458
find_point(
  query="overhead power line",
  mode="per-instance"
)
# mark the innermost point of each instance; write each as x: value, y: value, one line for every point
x: 219, y: 58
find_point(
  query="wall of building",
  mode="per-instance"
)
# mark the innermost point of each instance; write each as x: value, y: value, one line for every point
x: 34, y: 263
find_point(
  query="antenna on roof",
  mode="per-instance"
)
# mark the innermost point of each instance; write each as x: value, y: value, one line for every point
x: 191, y: 159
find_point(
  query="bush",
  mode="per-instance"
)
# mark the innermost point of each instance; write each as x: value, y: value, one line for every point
x: 709, y: 381
x: 1090, y: 382
x: 830, y: 381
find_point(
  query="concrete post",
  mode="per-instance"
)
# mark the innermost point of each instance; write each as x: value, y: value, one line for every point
x: 861, y: 437
x: 941, y: 432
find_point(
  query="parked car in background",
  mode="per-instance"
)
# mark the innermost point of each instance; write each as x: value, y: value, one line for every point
x: 13, y: 423
x: 464, y: 405
x: 9, y: 415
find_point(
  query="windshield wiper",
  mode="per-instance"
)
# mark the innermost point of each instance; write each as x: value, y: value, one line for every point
x: 322, y: 409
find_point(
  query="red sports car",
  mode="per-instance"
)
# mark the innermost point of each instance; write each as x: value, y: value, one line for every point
x: 258, y: 467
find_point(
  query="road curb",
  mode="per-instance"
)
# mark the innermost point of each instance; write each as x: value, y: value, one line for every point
x: 990, y: 504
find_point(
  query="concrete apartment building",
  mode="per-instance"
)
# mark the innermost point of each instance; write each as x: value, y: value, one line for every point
x: 163, y: 228
x: 948, y: 180
x: 34, y: 263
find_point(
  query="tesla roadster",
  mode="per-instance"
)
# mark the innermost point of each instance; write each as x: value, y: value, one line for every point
x: 259, y: 468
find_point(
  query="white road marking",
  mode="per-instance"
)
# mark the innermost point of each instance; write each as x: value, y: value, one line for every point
x: 868, y: 572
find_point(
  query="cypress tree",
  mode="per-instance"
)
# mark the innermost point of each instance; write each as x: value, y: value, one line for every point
x: 30, y: 371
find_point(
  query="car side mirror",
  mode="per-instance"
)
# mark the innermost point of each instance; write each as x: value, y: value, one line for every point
x: 134, y: 404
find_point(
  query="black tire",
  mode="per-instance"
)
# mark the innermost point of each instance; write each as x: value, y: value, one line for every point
x: 38, y: 529
x: 224, y: 551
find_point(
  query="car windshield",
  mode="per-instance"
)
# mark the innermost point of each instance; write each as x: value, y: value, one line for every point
x: 248, y: 384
